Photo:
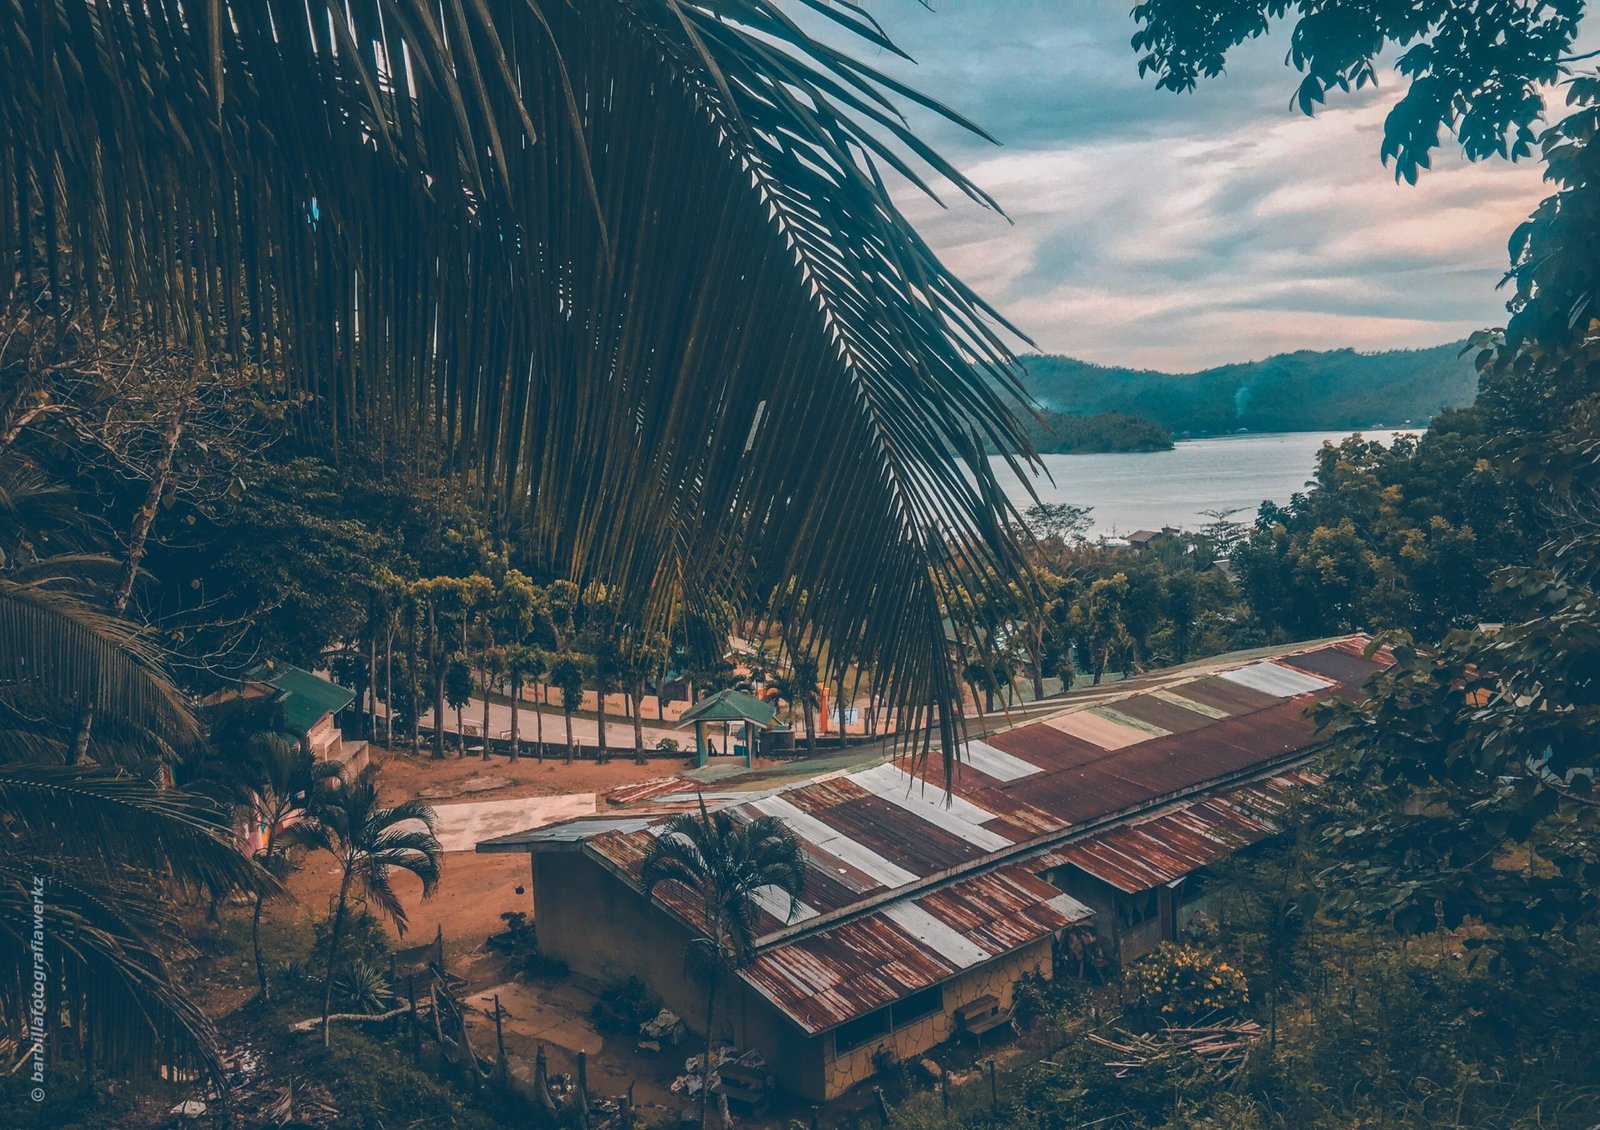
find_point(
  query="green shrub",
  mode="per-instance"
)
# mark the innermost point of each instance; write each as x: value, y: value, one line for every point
x: 363, y: 942
x: 624, y: 1005
x: 1178, y: 984
x: 1036, y: 999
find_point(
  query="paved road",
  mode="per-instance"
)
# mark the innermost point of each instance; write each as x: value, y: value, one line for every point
x: 619, y: 730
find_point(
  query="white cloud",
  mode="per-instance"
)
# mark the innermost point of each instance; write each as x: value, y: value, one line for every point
x: 1184, y: 231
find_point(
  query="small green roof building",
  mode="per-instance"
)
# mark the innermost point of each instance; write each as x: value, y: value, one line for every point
x: 308, y: 703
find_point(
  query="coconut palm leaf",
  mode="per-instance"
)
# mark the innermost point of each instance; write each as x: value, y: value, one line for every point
x: 371, y: 841
x: 637, y: 261
x: 109, y: 942
x: 59, y: 655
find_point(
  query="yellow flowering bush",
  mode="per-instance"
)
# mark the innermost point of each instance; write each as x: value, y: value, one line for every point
x: 1180, y: 984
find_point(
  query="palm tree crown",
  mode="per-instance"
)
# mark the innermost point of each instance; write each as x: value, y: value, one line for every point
x: 724, y: 862
x: 371, y: 841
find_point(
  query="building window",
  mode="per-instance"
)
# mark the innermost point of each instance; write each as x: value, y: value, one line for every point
x: 1139, y: 908
x: 862, y: 1030
x: 917, y: 1006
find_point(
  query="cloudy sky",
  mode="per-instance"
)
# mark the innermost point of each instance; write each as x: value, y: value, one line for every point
x: 1182, y: 231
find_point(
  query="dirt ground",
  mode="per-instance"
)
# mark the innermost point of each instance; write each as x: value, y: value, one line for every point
x: 474, y: 890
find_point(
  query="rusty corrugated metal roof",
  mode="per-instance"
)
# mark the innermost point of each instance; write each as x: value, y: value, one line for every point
x: 902, y: 887
x: 1177, y: 841
x: 825, y: 978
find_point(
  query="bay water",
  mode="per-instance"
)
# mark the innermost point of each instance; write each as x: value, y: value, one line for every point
x: 1147, y: 490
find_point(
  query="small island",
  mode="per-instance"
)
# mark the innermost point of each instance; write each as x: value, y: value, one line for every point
x: 1064, y: 434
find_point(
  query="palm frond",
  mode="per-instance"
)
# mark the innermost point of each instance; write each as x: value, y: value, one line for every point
x: 108, y: 820
x: 59, y: 656
x: 658, y: 232
x: 109, y: 945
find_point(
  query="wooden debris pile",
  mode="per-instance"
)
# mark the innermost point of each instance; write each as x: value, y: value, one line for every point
x: 1221, y: 1047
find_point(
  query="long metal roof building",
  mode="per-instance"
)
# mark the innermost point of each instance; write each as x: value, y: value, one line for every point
x: 907, y: 884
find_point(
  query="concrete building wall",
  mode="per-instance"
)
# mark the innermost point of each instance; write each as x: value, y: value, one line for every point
x: 996, y: 978
x: 322, y: 737
x: 605, y: 931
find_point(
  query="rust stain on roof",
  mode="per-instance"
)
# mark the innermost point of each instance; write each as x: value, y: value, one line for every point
x: 1180, y: 840
x: 826, y: 978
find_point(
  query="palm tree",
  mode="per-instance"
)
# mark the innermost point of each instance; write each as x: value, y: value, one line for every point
x: 567, y: 674
x: 805, y: 693
x: 722, y: 863
x: 281, y: 779
x: 495, y: 212
x: 521, y: 664
x: 370, y: 842
x: 111, y: 849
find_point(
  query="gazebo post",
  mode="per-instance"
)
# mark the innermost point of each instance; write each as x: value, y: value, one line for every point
x: 749, y: 743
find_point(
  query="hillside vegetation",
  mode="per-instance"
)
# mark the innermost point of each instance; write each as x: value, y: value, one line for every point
x: 1303, y: 391
x: 1107, y: 431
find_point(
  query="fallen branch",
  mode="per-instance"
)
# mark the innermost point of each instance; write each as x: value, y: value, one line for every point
x: 347, y: 1017
x: 1223, y: 1045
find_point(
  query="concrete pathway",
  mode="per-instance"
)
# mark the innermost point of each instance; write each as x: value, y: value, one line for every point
x: 461, y: 826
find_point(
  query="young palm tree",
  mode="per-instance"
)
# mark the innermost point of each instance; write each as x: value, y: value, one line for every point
x: 371, y: 842
x: 283, y: 780
x: 723, y: 862
x: 517, y: 156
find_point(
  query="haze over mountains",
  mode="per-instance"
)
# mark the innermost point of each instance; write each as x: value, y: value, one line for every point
x: 1303, y: 391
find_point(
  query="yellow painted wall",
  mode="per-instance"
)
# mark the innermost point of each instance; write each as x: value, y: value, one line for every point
x: 997, y: 978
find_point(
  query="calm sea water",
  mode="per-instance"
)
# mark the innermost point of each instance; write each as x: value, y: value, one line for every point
x: 1145, y: 491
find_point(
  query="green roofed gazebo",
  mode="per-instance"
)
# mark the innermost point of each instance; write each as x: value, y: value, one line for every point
x: 728, y: 706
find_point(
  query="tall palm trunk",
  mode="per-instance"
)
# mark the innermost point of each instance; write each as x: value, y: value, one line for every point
x: 255, y: 943
x: 388, y: 684
x: 334, y: 938
x: 538, y: 721
x: 516, y: 702
x: 372, y: 681
x: 483, y: 671
x: 436, y: 671
x: 705, y: 1064
x: 600, y: 707
x: 569, y: 736
x: 411, y: 674
x: 638, y: 723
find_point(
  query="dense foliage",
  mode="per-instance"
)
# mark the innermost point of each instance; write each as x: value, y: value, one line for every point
x: 1058, y: 433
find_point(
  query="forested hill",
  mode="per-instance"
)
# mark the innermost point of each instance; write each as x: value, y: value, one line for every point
x: 1304, y: 391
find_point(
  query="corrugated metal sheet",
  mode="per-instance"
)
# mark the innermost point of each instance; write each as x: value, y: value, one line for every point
x: 625, y: 795
x: 822, y: 979
x: 1277, y: 680
x: 996, y: 763
x: 1179, y: 840
x: 903, y: 890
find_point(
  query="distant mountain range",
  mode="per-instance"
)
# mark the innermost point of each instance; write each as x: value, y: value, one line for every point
x: 1289, y: 392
